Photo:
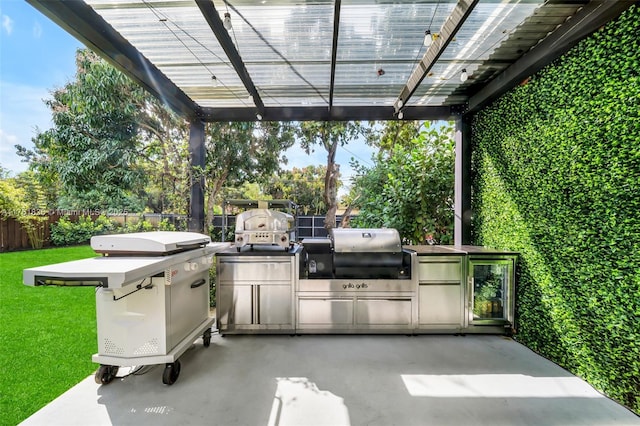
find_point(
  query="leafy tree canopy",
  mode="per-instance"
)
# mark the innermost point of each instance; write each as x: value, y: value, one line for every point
x: 330, y: 136
x: 92, y: 147
x: 304, y: 186
x: 239, y: 152
x: 411, y: 188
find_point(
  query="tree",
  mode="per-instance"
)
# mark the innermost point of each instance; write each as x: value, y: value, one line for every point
x: 12, y: 199
x: 35, y: 196
x: 92, y: 148
x: 388, y: 135
x: 303, y: 186
x: 330, y: 136
x: 411, y: 188
x: 165, y: 151
x: 242, y: 152
x: 112, y: 146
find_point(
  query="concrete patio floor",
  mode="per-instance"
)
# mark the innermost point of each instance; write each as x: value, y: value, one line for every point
x: 345, y: 380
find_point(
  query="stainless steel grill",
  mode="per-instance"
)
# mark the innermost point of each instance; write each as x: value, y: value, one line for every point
x: 264, y: 227
x: 152, y: 301
x: 357, y: 280
x: 366, y: 253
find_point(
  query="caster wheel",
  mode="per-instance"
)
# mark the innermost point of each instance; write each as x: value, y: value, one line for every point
x: 171, y: 373
x: 106, y: 374
x: 206, y: 338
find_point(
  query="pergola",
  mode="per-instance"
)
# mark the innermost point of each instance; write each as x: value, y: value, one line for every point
x: 331, y: 60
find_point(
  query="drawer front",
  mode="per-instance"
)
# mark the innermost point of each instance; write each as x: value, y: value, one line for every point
x: 383, y: 312
x: 256, y: 272
x: 440, y: 304
x: 439, y: 271
x: 334, y: 312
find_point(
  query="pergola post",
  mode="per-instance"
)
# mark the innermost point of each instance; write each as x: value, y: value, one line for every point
x: 462, y: 197
x: 197, y: 157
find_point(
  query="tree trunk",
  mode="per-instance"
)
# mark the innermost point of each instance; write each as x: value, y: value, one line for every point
x: 346, y: 217
x: 330, y: 195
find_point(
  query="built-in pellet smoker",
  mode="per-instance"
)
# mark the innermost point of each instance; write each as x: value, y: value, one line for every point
x: 357, y: 280
x: 152, y: 297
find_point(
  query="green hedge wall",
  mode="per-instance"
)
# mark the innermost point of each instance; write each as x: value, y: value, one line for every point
x: 556, y: 176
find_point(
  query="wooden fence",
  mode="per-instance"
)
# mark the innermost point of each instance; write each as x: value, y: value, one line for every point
x: 14, y: 236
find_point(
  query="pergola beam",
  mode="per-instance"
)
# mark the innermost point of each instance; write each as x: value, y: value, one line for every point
x: 337, y: 113
x: 334, y: 48
x: 586, y: 21
x: 448, y: 31
x: 215, y: 23
x: 81, y: 21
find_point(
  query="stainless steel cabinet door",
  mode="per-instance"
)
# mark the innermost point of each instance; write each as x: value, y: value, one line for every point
x: 440, y: 304
x: 235, y: 305
x: 275, y: 304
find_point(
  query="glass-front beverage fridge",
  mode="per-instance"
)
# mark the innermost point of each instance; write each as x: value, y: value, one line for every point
x: 491, y: 290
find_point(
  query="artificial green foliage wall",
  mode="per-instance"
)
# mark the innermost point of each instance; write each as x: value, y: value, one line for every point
x: 556, y: 176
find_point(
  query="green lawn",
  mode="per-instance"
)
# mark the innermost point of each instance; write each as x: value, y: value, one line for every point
x: 47, y: 334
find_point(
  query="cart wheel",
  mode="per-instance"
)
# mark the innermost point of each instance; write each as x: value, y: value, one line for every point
x: 206, y: 338
x: 171, y: 373
x: 106, y: 374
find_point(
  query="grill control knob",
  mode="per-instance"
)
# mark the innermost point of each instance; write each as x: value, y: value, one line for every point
x: 190, y: 266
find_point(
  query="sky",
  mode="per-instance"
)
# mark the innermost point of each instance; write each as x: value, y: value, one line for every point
x: 37, y: 56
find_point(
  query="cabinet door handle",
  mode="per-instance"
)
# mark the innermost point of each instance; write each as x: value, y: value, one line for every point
x: 198, y: 283
x: 257, y: 305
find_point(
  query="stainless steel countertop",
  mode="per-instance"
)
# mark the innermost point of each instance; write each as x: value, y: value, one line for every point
x: 446, y: 250
x: 260, y: 250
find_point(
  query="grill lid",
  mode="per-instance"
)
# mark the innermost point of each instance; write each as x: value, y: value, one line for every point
x: 263, y: 220
x: 157, y: 242
x: 365, y: 240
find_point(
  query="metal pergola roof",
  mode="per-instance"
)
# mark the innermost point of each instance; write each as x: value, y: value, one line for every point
x: 329, y: 59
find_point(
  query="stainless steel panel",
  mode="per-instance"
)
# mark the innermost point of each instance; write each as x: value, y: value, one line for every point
x: 383, y: 311
x: 256, y: 271
x: 440, y: 304
x: 275, y: 304
x: 189, y: 304
x: 325, y: 312
x: 235, y: 305
x: 439, y: 271
x: 356, y: 285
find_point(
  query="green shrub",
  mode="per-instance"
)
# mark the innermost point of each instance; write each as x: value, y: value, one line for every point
x: 165, y: 225
x: 66, y: 232
x: 35, y: 227
x: 556, y: 176
x: 216, y: 233
x: 137, y: 226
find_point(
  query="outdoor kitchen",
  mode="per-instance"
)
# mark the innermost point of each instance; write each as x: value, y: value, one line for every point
x: 152, y: 288
x: 360, y: 281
